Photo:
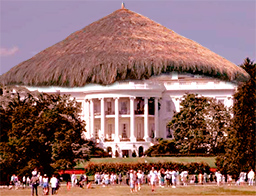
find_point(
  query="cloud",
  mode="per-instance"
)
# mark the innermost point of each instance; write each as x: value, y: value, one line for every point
x: 8, y: 52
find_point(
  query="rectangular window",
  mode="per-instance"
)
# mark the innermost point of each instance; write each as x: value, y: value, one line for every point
x: 97, y: 132
x: 168, y: 132
x: 109, y: 132
x: 139, y: 131
x: 124, y: 131
x: 109, y: 107
x: 123, y: 107
x: 96, y: 108
x: 79, y: 105
x: 152, y: 132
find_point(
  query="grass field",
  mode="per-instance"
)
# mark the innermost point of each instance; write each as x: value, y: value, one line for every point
x: 209, y: 160
x: 117, y: 190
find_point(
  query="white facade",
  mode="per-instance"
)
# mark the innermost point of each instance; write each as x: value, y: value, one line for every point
x: 126, y: 117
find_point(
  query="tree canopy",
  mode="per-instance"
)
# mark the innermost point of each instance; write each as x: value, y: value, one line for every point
x: 240, y: 148
x: 201, y: 124
x: 162, y: 147
x: 40, y: 130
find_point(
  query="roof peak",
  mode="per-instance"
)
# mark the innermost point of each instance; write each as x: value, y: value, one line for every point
x: 123, y: 6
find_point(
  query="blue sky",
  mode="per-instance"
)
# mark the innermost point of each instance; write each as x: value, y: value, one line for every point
x: 227, y: 27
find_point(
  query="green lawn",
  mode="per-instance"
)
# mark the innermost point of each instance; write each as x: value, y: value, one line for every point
x: 145, y: 191
x: 209, y: 160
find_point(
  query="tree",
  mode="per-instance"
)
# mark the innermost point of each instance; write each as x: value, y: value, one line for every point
x: 163, y: 147
x: 240, y: 148
x: 40, y: 130
x: 200, y: 125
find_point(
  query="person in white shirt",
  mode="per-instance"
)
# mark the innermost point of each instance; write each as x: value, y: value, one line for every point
x: 73, y: 179
x: 54, y: 184
x: 153, y: 178
x: 174, y: 178
x: 251, y: 176
x: 218, y: 177
x: 45, y: 184
x: 139, y: 180
x: 183, y: 176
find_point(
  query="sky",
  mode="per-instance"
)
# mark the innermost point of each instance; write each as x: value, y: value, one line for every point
x: 227, y: 27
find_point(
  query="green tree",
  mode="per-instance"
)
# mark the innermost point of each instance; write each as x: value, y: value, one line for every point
x: 201, y: 124
x: 163, y: 147
x: 240, y: 149
x: 40, y: 130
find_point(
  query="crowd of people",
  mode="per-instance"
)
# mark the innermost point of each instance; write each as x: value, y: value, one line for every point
x: 135, y: 179
x: 36, y: 180
x: 170, y: 178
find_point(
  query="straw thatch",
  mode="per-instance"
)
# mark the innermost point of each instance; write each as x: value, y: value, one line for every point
x: 123, y: 45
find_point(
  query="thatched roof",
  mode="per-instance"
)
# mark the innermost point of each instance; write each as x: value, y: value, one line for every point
x: 123, y: 45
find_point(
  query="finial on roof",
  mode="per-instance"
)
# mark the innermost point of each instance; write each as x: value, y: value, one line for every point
x: 122, y: 7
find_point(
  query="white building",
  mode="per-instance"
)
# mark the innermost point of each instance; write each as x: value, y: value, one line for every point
x: 123, y: 70
x: 127, y: 116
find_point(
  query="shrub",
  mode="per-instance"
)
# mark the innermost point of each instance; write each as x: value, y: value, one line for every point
x: 192, y: 168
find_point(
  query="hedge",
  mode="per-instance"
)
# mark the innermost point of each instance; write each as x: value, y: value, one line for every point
x: 192, y: 168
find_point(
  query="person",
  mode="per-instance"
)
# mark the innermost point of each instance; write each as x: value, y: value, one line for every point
x: 184, y: 175
x: 12, y: 181
x: 28, y: 181
x: 81, y: 181
x: 120, y: 177
x: 24, y: 182
x: 139, y: 179
x: 200, y: 176
x: 45, y: 184
x: 34, y: 183
x: 73, y: 179
x: 241, y: 180
x: 229, y: 179
x: 168, y: 177
x: 106, y: 179
x: 162, y: 177
x: 174, y: 178
x: 132, y: 180
x: 251, y: 176
x: 54, y: 184
x: 153, y: 178
x: 218, y: 177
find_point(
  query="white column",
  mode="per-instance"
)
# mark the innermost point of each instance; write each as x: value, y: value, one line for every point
x: 132, y: 120
x: 87, y: 118
x: 116, y: 120
x: 102, y: 120
x: 156, y: 119
x: 146, y: 138
x: 92, y: 133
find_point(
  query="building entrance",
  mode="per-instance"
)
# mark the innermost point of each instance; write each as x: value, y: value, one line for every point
x: 125, y: 153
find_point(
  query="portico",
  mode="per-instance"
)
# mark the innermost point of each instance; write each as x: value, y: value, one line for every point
x: 125, y: 118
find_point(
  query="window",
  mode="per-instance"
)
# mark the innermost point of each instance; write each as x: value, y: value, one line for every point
x: 139, y: 131
x: 97, y: 129
x: 97, y: 109
x: 168, y: 132
x: 152, y: 132
x: 109, y: 107
x: 124, y: 131
x: 109, y: 132
x: 123, y: 107
x: 79, y: 105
